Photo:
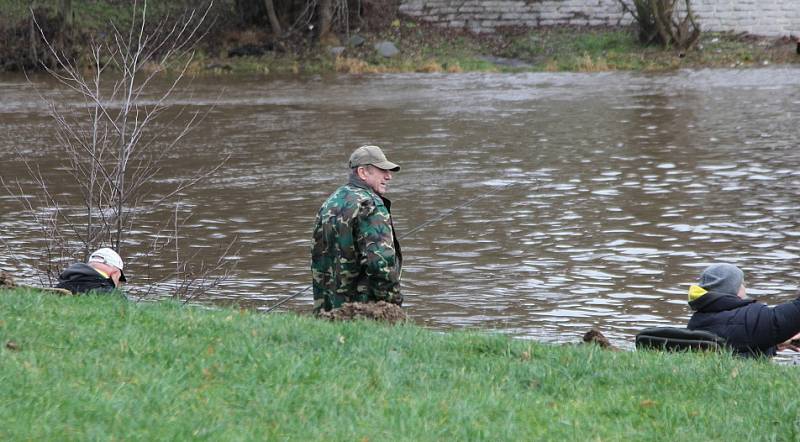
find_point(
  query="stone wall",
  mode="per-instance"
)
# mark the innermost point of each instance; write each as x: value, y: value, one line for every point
x: 761, y: 17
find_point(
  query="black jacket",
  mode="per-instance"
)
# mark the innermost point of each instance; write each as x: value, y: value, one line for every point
x: 750, y: 327
x: 82, y: 278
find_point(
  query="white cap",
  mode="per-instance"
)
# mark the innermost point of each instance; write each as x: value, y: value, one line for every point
x: 108, y: 256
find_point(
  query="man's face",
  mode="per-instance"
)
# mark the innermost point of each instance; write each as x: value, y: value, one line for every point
x: 115, y: 275
x: 375, y: 178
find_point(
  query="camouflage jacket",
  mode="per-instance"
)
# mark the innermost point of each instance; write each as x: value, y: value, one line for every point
x: 355, y: 256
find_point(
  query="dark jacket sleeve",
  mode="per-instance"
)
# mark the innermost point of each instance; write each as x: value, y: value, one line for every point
x: 766, y: 327
x: 786, y: 322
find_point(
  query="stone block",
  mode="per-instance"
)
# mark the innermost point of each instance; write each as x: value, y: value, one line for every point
x: 553, y: 16
x: 767, y: 17
x: 529, y: 16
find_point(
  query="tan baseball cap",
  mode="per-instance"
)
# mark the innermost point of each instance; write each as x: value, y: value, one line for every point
x: 371, y: 155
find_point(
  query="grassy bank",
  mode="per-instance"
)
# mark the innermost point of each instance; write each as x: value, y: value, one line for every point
x: 100, y: 368
x: 427, y: 49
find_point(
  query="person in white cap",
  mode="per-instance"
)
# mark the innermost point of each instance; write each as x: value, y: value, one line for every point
x: 102, y: 273
x: 355, y: 255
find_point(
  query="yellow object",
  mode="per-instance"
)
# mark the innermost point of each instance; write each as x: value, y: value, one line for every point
x: 695, y: 291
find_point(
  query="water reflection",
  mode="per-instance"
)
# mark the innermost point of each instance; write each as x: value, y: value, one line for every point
x: 624, y: 187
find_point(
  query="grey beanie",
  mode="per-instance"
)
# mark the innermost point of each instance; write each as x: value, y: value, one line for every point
x: 722, y: 278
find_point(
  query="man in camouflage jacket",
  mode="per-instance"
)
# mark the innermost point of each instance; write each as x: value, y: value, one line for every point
x: 355, y: 256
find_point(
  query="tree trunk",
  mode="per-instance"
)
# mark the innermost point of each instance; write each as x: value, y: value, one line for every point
x: 33, y: 39
x: 273, y: 18
x: 65, y: 25
x: 325, y: 18
x: 659, y: 21
x: 662, y: 21
x: 251, y: 12
x: 65, y: 9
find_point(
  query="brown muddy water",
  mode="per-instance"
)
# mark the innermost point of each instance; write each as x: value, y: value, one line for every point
x: 624, y: 186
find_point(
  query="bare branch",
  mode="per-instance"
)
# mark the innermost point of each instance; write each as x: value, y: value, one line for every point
x: 113, y: 147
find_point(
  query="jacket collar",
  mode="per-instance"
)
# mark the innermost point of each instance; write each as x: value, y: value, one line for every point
x: 81, y: 269
x: 356, y: 181
x: 712, y: 302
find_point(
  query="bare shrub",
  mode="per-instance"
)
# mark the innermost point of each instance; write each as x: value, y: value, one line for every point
x: 113, y: 147
x: 669, y: 23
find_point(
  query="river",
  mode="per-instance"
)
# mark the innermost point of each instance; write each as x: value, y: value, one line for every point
x: 621, y: 187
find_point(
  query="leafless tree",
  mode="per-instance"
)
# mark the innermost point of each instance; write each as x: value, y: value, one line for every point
x: 274, y: 23
x: 113, y: 146
x: 192, y: 276
x: 665, y: 22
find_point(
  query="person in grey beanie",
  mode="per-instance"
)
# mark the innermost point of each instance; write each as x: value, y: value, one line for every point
x: 751, y: 328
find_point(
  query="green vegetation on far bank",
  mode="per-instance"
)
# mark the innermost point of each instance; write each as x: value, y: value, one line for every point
x: 76, y: 368
x: 229, y: 46
x: 89, y: 14
x: 426, y: 49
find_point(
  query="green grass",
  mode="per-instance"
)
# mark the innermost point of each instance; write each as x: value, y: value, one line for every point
x: 100, y: 368
x: 427, y: 49
x: 552, y: 42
